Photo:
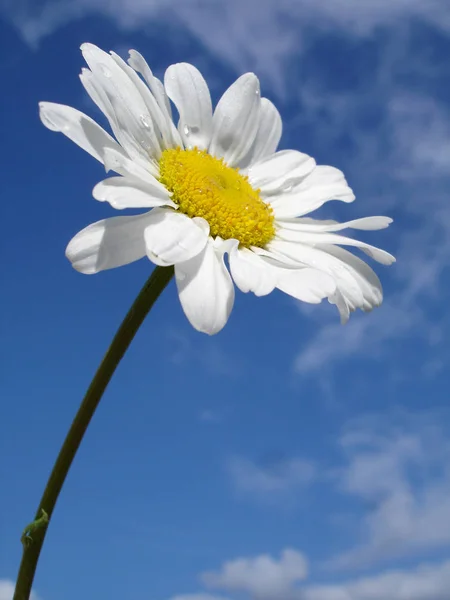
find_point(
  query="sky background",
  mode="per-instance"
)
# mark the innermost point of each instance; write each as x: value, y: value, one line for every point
x: 288, y: 457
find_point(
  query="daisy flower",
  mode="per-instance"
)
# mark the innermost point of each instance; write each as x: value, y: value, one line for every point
x: 212, y: 186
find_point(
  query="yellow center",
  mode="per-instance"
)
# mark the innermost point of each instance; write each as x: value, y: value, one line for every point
x: 204, y: 186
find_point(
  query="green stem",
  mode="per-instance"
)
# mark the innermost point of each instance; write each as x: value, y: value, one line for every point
x: 156, y: 283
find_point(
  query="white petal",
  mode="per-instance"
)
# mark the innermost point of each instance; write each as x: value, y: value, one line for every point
x: 268, y: 134
x: 313, y: 239
x: 323, y: 184
x: 189, y: 92
x: 278, y: 260
x: 134, y: 130
x: 250, y: 273
x: 118, y: 162
x: 156, y: 117
x: 357, y: 282
x: 270, y: 128
x: 339, y: 300
x: 236, y: 119
x: 206, y: 290
x: 324, y: 261
x: 313, y: 225
x: 140, y: 65
x: 108, y: 244
x: 172, y: 237
x: 281, y: 171
x: 99, y: 97
x: 128, y: 192
x: 78, y: 127
x: 367, y: 279
x: 307, y: 285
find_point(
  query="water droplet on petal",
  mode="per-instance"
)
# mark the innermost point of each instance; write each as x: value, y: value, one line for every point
x: 106, y: 72
x: 287, y: 186
x: 146, y: 121
x: 186, y: 130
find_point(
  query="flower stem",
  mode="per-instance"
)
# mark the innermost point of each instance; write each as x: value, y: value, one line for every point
x: 155, y: 284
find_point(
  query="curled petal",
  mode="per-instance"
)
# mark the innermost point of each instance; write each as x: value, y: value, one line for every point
x: 313, y: 239
x: 321, y: 185
x: 314, y: 225
x: 172, y: 237
x: 280, y: 171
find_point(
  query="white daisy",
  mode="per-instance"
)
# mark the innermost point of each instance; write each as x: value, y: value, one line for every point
x: 214, y: 185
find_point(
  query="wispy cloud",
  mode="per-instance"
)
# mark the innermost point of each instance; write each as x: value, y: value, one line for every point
x: 210, y: 416
x: 398, y: 468
x: 395, y: 466
x: 183, y: 350
x: 363, y: 336
x: 276, y: 481
x: 198, y: 597
x: 264, y: 33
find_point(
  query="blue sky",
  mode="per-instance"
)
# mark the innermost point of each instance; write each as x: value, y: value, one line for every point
x: 288, y: 457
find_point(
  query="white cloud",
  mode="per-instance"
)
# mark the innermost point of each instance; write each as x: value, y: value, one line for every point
x: 399, y: 468
x: 395, y: 466
x: 263, y: 577
x: 271, y: 482
x: 7, y: 590
x: 362, y: 335
x: 264, y: 33
x: 210, y: 416
x: 427, y: 582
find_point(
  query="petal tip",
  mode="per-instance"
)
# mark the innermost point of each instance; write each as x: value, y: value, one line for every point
x: 86, y: 46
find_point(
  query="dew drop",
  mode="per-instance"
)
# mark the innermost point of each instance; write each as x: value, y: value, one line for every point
x: 106, y: 72
x: 145, y: 120
x: 186, y: 130
x: 147, y: 146
x: 287, y: 186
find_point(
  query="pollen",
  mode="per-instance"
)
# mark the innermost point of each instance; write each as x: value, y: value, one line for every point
x: 204, y: 186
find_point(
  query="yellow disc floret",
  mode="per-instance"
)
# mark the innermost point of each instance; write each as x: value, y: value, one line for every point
x: 204, y: 186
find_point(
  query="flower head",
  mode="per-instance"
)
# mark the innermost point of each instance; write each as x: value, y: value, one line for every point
x: 212, y: 186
